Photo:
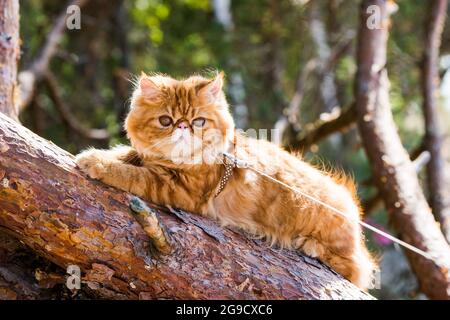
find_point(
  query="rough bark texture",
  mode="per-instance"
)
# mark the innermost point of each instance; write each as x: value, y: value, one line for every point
x: 68, y: 219
x: 419, y: 160
x: 392, y: 169
x: 9, y: 56
x: 26, y: 276
x: 438, y: 195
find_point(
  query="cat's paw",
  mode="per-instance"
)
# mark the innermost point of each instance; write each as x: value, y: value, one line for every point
x: 92, y: 163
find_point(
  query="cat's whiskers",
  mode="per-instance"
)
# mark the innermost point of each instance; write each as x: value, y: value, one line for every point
x: 148, y: 149
x: 163, y: 140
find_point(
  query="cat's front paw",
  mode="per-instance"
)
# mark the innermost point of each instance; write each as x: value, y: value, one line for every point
x: 91, y: 163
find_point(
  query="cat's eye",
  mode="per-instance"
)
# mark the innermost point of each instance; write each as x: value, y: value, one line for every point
x: 199, y: 122
x: 165, y: 121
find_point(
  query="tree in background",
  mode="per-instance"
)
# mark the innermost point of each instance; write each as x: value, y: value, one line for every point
x: 438, y: 191
x: 394, y: 173
x: 9, y: 57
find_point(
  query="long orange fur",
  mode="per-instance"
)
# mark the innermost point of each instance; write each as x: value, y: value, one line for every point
x: 250, y: 202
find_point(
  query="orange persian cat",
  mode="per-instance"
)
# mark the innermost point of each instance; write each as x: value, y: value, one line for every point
x: 178, y: 130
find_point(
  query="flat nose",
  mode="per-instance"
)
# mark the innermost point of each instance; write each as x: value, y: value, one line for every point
x: 182, y: 125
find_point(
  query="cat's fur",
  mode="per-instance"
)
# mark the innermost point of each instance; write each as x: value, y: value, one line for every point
x: 249, y: 201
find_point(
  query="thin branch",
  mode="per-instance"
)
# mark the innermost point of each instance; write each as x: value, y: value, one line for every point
x: 288, y: 125
x: 291, y: 113
x: 29, y: 77
x: 67, y: 116
x: 413, y: 155
x: 329, y: 123
x: 148, y: 219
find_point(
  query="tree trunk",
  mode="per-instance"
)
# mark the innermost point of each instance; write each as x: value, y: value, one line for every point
x: 17, y: 263
x: 392, y: 169
x: 71, y: 220
x: 439, y: 197
x: 9, y: 56
x: 25, y: 275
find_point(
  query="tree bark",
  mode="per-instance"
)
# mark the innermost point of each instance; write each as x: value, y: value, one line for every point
x: 392, y: 169
x: 26, y: 276
x: 439, y: 198
x: 68, y: 219
x: 419, y: 160
x: 16, y: 274
x: 9, y: 56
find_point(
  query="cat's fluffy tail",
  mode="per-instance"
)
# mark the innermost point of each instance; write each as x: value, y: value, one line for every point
x: 367, y: 269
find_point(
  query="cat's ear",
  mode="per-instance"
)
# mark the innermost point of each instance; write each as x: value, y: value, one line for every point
x: 212, y: 89
x: 148, y: 87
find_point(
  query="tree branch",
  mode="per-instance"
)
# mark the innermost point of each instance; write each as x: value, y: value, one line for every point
x: 66, y: 114
x: 419, y: 162
x: 439, y: 197
x: 148, y: 219
x: 312, y: 133
x: 38, y: 68
x: 68, y: 219
x: 288, y: 124
x: 392, y: 169
x: 413, y: 155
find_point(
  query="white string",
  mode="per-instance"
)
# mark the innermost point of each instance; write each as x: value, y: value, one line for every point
x: 241, y: 164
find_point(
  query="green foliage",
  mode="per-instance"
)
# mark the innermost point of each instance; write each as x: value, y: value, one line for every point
x: 180, y: 37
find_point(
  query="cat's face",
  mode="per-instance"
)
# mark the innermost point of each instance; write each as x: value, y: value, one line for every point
x: 183, y: 121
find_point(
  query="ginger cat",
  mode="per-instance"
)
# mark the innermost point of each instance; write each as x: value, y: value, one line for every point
x: 178, y: 130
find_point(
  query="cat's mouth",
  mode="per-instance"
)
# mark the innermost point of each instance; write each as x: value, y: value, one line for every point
x: 185, y: 147
x: 181, y: 135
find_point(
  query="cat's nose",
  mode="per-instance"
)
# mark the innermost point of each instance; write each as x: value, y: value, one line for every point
x: 182, y: 125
